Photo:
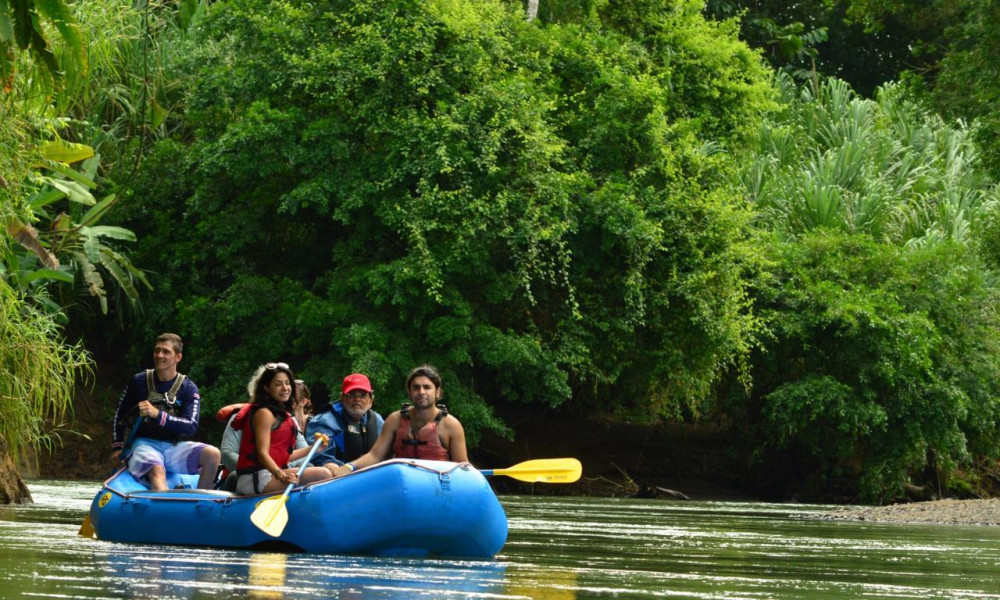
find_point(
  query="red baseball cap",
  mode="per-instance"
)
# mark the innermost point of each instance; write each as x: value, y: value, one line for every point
x: 356, y: 381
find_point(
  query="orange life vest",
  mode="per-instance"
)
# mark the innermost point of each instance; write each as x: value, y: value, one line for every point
x: 425, y: 444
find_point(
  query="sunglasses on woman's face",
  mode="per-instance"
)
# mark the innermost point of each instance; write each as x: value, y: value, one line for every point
x: 273, y: 366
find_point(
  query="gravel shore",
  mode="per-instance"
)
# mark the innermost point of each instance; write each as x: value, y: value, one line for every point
x: 945, y: 512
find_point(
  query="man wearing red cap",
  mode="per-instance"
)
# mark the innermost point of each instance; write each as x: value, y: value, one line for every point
x: 421, y: 429
x: 351, y: 424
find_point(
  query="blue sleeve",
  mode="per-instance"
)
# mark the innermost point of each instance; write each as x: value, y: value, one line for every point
x: 129, y: 398
x: 325, y: 423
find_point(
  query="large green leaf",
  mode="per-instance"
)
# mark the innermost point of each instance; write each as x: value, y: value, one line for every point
x: 62, y: 151
x: 70, y: 173
x: 123, y: 270
x: 94, y: 214
x: 73, y: 190
x: 42, y: 199
x: 53, y: 274
x: 22, y: 23
x: 109, y: 231
x: 92, y: 277
x: 6, y: 23
x: 61, y: 16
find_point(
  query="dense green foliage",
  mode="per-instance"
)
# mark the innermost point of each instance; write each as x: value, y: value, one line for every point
x: 881, y: 359
x: 52, y: 247
x: 882, y: 167
x: 946, y: 50
x: 38, y: 369
x: 538, y: 211
x: 824, y: 36
x: 881, y: 365
x: 614, y: 209
x: 22, y: 29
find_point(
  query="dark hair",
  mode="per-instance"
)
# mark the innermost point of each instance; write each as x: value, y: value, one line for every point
x: 174, y: 340
x: 427, y: 371
x: 262, y: 397
x: 299, y: 384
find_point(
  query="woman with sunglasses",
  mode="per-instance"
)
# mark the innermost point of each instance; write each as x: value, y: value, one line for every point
x: 269, y: 433
x: 233, y: 436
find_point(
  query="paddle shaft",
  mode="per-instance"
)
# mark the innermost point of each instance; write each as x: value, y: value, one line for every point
x: 127, y: 447
x: 271, y: 516
x: 305, y: 464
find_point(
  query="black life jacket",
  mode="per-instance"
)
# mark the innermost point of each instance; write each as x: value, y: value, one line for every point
x: 166, y: 402
x: 358, y: 437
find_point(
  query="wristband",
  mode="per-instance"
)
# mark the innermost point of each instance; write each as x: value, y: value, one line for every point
x: 350, y: 466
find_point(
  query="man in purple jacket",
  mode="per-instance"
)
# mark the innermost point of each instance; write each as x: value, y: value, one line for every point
x: 164, y: 406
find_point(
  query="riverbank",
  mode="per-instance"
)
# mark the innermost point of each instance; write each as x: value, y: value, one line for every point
x: 664, y: 460
x: 940, y: 512
x: 667, y: 461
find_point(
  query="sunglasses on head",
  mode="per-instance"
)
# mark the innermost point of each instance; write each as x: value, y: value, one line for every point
x: 273, y: 366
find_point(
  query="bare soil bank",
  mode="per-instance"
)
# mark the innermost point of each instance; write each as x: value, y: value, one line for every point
x: 943, y: 512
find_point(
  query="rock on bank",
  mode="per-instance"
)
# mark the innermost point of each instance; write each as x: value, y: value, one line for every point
x: 12, y: 488
x: 944, y: 512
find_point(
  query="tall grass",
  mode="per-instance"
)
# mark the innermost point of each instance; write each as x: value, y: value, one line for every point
x: 38, y: 373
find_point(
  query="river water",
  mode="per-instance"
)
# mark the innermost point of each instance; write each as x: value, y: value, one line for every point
x: 559, y: 549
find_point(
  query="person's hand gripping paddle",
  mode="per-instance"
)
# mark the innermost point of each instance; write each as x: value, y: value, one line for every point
x: 271, y: 516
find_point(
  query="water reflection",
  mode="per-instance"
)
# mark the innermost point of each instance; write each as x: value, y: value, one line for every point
x: 560, y: 584
x: 267, y: 576
x: 559, y: 549
x: 162, y: 572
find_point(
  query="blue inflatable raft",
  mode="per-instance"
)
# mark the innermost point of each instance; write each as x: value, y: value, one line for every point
x: 403, y: 508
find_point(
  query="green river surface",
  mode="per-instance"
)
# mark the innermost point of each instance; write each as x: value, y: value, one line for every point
x: 559, y: 548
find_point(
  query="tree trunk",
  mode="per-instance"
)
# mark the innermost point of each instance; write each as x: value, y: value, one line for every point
x: 532, y: 10
x: 12, y: 488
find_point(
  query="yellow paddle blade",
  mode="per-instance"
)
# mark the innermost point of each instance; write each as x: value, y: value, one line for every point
x: 271, y: 516
x: 543, y: 470
x: 86, y: 528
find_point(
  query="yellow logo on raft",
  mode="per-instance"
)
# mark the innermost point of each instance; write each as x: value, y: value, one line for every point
x: 104, y: 500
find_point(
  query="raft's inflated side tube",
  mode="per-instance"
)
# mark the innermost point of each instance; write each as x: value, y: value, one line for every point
x: 411, y: 508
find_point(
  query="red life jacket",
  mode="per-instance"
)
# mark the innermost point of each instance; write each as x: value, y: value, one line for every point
x: 282, y: 440
x: 223, y: 414
x: 426, y: 444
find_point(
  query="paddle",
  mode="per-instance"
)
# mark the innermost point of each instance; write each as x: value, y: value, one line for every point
x: 271, y: 516
x: 543, y: 470
x: 87, y: 528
